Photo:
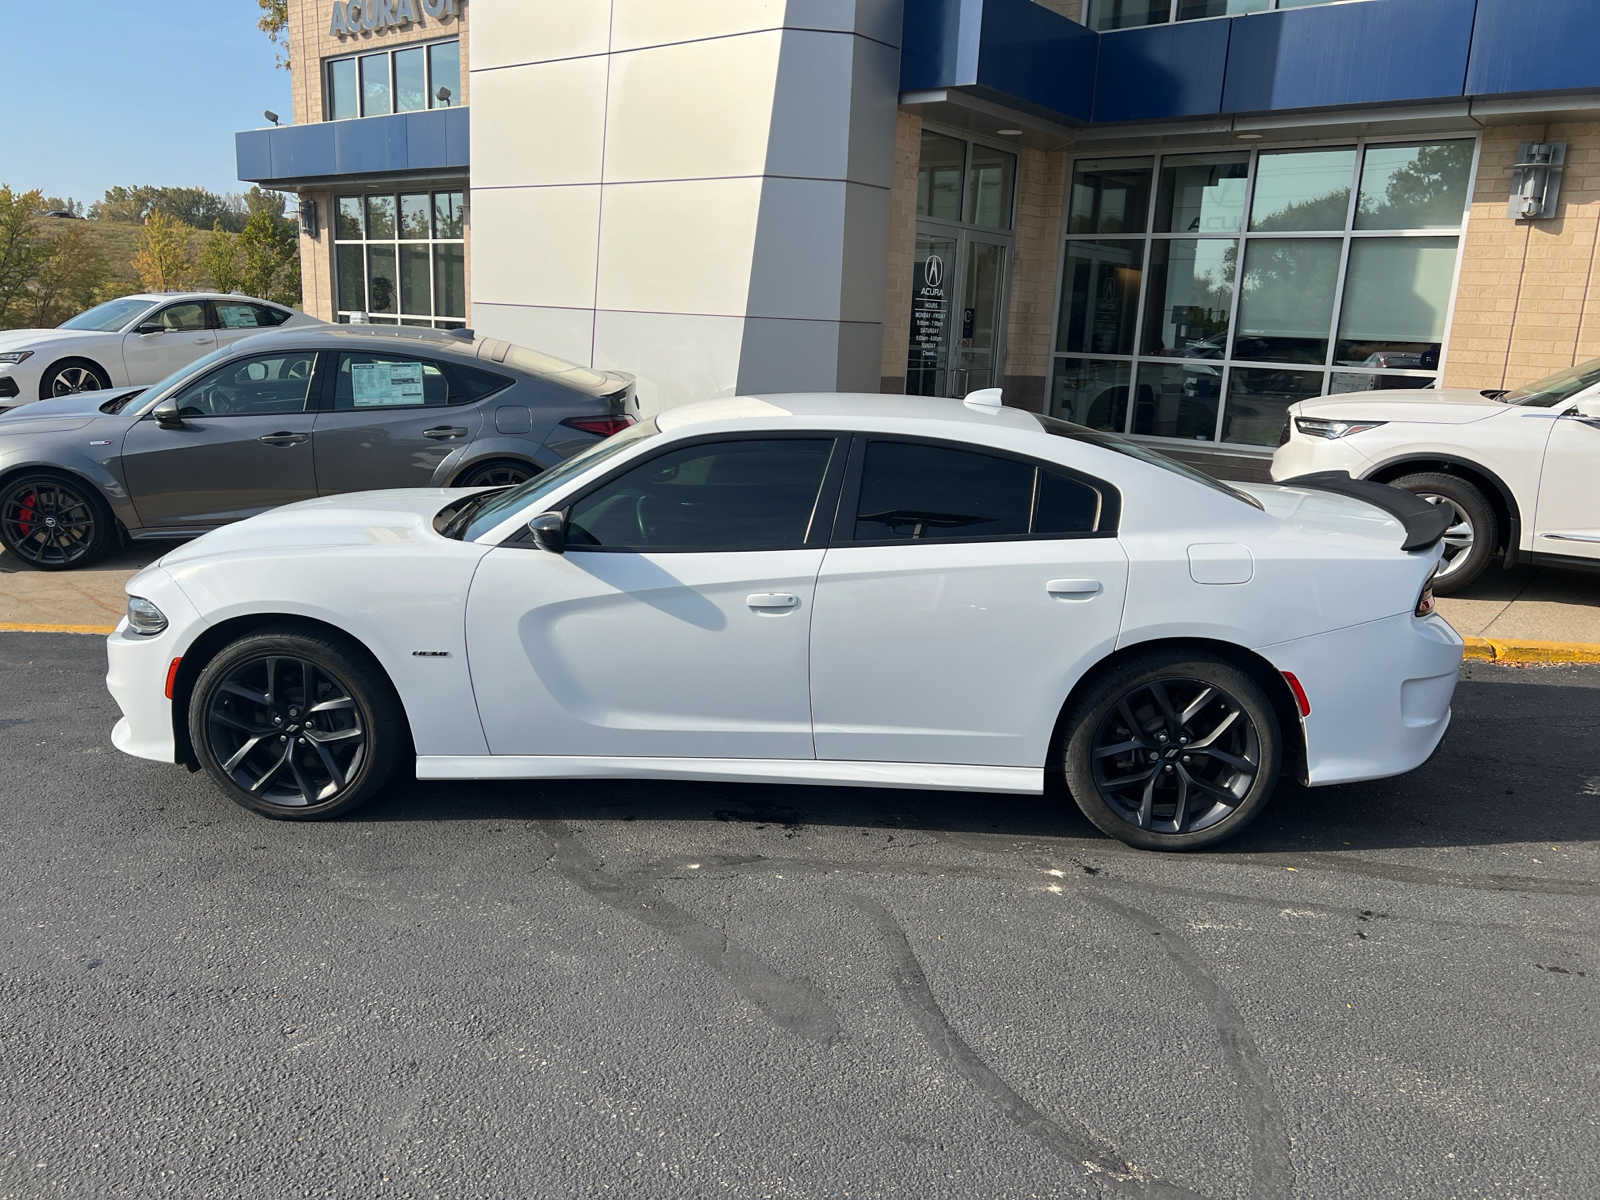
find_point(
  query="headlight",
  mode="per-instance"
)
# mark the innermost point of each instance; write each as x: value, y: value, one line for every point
x: 15, y: 356
x: 1316, y: 427
x: 145, y: 618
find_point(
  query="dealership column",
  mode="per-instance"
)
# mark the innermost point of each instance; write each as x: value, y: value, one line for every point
x: 697, y: 192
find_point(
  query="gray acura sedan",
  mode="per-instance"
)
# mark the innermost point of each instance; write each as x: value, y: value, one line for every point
x: 286, y: 415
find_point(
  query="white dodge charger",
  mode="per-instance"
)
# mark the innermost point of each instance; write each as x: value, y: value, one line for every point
x: 867, y: 590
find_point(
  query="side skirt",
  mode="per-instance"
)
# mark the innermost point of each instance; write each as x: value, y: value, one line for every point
x: 953, y: 777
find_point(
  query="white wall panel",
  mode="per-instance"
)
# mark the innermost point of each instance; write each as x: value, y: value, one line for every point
x: 540, y: 124
x: 565, y: 332
x: 678, y: 358
x: 521, y: 31
x: 656, y: 22
x: 535, y: 245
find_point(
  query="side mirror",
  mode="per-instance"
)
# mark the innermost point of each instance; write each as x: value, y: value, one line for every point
x: 148, y: 327
x: 549, y: 531
x: 167, y: 415
x: 1588, y: 409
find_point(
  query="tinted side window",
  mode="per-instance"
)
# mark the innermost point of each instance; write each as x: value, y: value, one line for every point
x: 182, y: 318
x: 369, y: 381
x: 268, y: 318
x: 468, y: 384
x: 739, y: 495
x: 262, y: 385
x: 917, y: 492
x: 233, y: 315
x: 1065, y: 505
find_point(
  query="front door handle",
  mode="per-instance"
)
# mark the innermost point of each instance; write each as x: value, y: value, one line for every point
x: 1073, y: 589
x: 283, y: 438
x: 443, y: 433
x: 772, y: 601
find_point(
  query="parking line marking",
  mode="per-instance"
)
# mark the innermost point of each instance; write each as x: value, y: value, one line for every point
x: 26, y: 627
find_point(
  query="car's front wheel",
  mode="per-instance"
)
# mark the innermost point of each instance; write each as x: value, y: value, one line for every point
x: 1473, y: 533
x: 53, y: 522
x: 1173, y: 751
x: 296, y: 726
x: 72, y: 375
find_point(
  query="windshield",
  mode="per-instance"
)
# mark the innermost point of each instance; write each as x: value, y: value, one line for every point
x: 1110, y: 441
x: 530, y: 493
x: 1553, y: 389
x: 108, y: 317
x: 183, y: 372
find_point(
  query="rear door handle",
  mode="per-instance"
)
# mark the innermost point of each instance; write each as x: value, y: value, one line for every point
x: 443, y: 433
x: 768, y: 601
x: 283, y: 438
x: 1073, y: 589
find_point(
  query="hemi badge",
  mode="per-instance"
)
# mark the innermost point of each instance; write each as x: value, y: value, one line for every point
x: 430, y: 654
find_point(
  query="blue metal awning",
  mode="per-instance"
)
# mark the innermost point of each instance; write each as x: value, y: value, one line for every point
x: 431, y: 142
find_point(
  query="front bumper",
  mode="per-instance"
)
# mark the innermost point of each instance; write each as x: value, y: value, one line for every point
x: 137, y: 666
x: 19, y: 383
x: 1303, y: 455
x: 1379, y: 693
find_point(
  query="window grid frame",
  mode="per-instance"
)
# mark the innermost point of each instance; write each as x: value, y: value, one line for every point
x: 1173, y: 19
x: 399, y: 318
x: 429, y: 88
x: 1241, y: 237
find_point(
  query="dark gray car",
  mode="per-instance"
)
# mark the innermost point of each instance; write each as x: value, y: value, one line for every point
x: 286, y: 415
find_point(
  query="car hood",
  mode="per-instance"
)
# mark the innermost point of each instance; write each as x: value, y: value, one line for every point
x: 60, y: 414
x: 1327, y: 515
x: 30, y: 339
x: 1446, y: 406
x: 390, y: 518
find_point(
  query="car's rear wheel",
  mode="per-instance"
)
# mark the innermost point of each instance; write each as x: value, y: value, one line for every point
x: 72, y: 375
x: 296, y: 726
x: 53, y: 522
x: 498, y: 473
x: 1173, y: 751
x: 1472, y: 536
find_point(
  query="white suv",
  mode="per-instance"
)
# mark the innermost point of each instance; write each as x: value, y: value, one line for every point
x: 1521, y: 468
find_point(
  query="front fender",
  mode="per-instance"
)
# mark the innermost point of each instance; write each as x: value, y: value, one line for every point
x: 98, y: 466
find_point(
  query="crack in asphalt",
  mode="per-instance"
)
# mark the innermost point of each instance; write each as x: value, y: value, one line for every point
x: 1075, y: 1143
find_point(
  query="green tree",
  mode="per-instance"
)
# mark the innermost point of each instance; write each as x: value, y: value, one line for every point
x: 198, y: 207
x: 274, y: 23
x: 123, y: 204
x: 219, y: 259
x: 165, y: 262
x: 269, y: 258
x: 71, y: 278
x: 22, y: 250
x: 62, y: 204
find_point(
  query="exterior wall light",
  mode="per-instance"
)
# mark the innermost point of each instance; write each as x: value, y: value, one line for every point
x: 308, y: 217
x: 1536, y: 180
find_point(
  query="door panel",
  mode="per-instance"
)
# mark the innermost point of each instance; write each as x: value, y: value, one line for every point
x: 217, y: 469
x: 1568, y: 520
x: 185, y: 336
x: 625, y: 654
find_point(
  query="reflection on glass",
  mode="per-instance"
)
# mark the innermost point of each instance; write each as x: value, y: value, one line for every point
x: 939, y: 177
x: 1286, y: 299
x: 1128, y: 14
x: 1258, y: 400
x: 449, y: 281
x: 984, y: 273
x: 349, y: 218
x: 1110, y: 195
x: 1360, y: 381
x: 380, y: 279
x: 1415, y: 187
x: 991, y: 179
x: 447, y: 214
x: 410, y: 81
x: 444, y: 70
x: 374, y: 85
x: 1190, y: 10
x: 380, y: 216
x: 351, y: 270
x: 1177, y: 401
x: 1302, y: 190
x: 1099, y: 297
x: 1188, y: 297
x: 1202, y: 194
x: 1091, y: 393
x: 1396, y: 292
x: 414, y: 283
x: 414, y: 216
x: 342, y: 90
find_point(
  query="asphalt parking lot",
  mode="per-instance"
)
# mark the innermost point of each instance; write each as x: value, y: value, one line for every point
x: 664, y: 990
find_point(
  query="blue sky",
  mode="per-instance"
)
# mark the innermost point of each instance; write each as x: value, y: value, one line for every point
x: 103, y: 92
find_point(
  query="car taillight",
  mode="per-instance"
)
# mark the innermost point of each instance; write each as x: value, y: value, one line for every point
x: 1425, y: 601
x: 599, y: 426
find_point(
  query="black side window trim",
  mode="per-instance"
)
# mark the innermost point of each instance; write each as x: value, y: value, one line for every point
x: 822, y: 511
x: 850, y: 495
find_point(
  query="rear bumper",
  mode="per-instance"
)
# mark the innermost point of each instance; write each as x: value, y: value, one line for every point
x: 1379, y: 694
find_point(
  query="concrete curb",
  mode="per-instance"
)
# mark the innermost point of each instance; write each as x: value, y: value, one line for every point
x: 1517, y: 653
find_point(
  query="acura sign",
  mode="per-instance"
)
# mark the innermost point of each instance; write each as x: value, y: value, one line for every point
x: 351, y: 17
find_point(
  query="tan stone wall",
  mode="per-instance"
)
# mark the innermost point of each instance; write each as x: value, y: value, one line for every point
x: 1073, y: 10
x: 316, y: 260
x: 1041, y: 185
x: 902, y: 250
x: 310, y: 43
x: 1529, y: 298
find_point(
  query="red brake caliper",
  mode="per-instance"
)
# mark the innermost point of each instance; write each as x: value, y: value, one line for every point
x: 25, y: 519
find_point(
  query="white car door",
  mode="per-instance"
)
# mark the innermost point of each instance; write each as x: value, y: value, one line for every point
x: 174, y: 336
x: 1568, y: 520
x: 964, y: 592
x: 675, y: 624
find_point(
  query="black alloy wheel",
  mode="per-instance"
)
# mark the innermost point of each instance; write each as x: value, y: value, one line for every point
x: 295, y: 726
x: 1174, y: 754
x: 501, y: 473
x: 52, y: 523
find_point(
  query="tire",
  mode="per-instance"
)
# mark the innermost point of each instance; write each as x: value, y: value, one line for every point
x: 1200, y: 690
x: 72, y: 375
x: 254, y: 691
x: 54, y: 522
x: 497, y: 472
x: 1471, y: 541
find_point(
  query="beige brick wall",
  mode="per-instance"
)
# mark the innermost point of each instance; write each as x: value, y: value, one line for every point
x: 1073, y: 10
x: 316, y: 259
x: 310, y: 44
x: 1529, y: 298
x: 1041, y: 184
x: 902, y: 250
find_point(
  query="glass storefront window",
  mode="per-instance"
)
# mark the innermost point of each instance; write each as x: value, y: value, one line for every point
x: 447, y: 214
x: 380, y: 216
x: 1258, y: 398
x: 1099, y: 297
x: 1286, y: 299
x: 350, y: 267
x: 380, y: 279
x: 374, y: 84
x: 449, y: 281
x: 1109, y: 196
x: 1131, y: 14
x: 1396, y: 294
x: 410, y: 80
x: 1414, y: 187
x: 414, y: 216
x: 406, y: 79
x: 1192, y: 10
x: 1302, y: 191
x: 342, y: 102
x: 1178, y: 401
x: 1202, y: 194
x: 1127, y: 14
x: 444, y: 71
x: 939, y: 176
x: 348, y: 227
x: 1189, y: 297
x: 991, y: 181
x: 1092, y: 393
x: 411, y: 269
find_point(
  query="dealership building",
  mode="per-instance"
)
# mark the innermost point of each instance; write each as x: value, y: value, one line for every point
x: 1167, y: 217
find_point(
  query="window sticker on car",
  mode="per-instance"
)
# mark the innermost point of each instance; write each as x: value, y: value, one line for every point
x: 379, y: 384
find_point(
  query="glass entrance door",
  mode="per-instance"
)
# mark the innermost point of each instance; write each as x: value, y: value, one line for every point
x: 928, y: 344
x: 958, y: 299
x: 982, y: 318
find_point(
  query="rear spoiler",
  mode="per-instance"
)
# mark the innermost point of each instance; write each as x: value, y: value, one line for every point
x: 1425, y: 523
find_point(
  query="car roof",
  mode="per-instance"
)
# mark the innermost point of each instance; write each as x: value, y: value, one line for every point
x: 846, y: 410
x: 153, y: 297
